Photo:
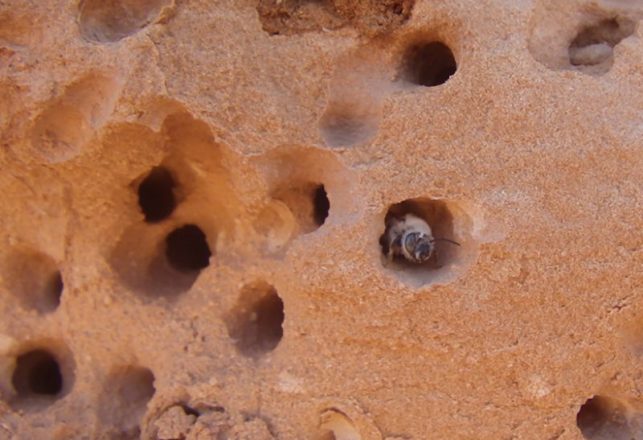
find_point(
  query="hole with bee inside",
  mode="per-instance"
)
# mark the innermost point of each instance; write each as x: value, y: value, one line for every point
x: 425, y: 241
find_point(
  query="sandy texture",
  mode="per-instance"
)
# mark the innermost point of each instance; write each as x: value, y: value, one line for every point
x: 194, y: 195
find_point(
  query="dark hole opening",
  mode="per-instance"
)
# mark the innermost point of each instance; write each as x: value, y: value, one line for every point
x: 429, y: 64
x: 156, y: 195
x: 55, y: 290
x: 270, y: 317
x: 37, y: 372
x: 603, y: 418
x: 322, y: 205
x: 187, y: 249
x: 258, y: 324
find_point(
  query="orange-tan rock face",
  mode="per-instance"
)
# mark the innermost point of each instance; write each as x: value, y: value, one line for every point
x: 316, y: 220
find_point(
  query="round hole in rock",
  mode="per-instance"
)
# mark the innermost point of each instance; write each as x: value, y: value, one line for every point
x: 428, y: 64
x: 308, y: 203
x: 426, y: 240
x: 37, y: 373
x: 156, y: 195
x: 605, y: 418
x: 124, y: 398
x: 187, y: 249
x: 107, y: 21
x: 256, y: 322
x: 34, y: 279
x: 335, y: 425
x: 592, y: 48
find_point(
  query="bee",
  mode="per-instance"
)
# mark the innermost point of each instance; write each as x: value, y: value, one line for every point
x: 410, y: 238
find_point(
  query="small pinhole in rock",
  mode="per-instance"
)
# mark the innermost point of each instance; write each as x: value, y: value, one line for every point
x: 187, y: 249
x: 429, y: 64
x: 37, y: 373
x: 605, y: 418
x: 156, y: 195
x: 322, y: 205
x: 256, y: 322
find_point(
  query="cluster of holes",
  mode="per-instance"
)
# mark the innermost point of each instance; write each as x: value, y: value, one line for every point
x: 256, y: 322
x: 41, y: 376
x: 184, y: 252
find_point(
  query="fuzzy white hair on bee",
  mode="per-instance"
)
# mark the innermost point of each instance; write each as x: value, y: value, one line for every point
x: 411, y: 238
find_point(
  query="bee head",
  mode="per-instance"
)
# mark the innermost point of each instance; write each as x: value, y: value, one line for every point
x: 417, y: 247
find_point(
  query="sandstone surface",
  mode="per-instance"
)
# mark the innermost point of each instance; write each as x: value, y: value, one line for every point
x: 196, y: 194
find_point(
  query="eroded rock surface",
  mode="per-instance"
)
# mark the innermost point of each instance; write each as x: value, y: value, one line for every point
x: 197, y: 205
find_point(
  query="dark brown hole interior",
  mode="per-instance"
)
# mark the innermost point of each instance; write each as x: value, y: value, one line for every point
x: 604, y: 418
x: 156, y: 195
x: 322, y: 205
x: 256, y: 323
x: 187, y: 249
x: 429, y: 64
x: 37, y: 373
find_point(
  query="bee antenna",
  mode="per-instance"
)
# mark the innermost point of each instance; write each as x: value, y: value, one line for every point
x: 447, y: 240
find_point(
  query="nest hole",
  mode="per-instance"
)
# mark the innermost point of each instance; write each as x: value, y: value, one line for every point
x: 34, y: 279
x: 605, y: 418
x: 37, y: 373
x: 451, y: 246
x: 335, y: 425
x: 187, y: 249
x: 156, y: 196
x: 428, y: 64
x: 124, y: 398
x: 593, y: 46
x: 256, y: 322
x: 308, y: 203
